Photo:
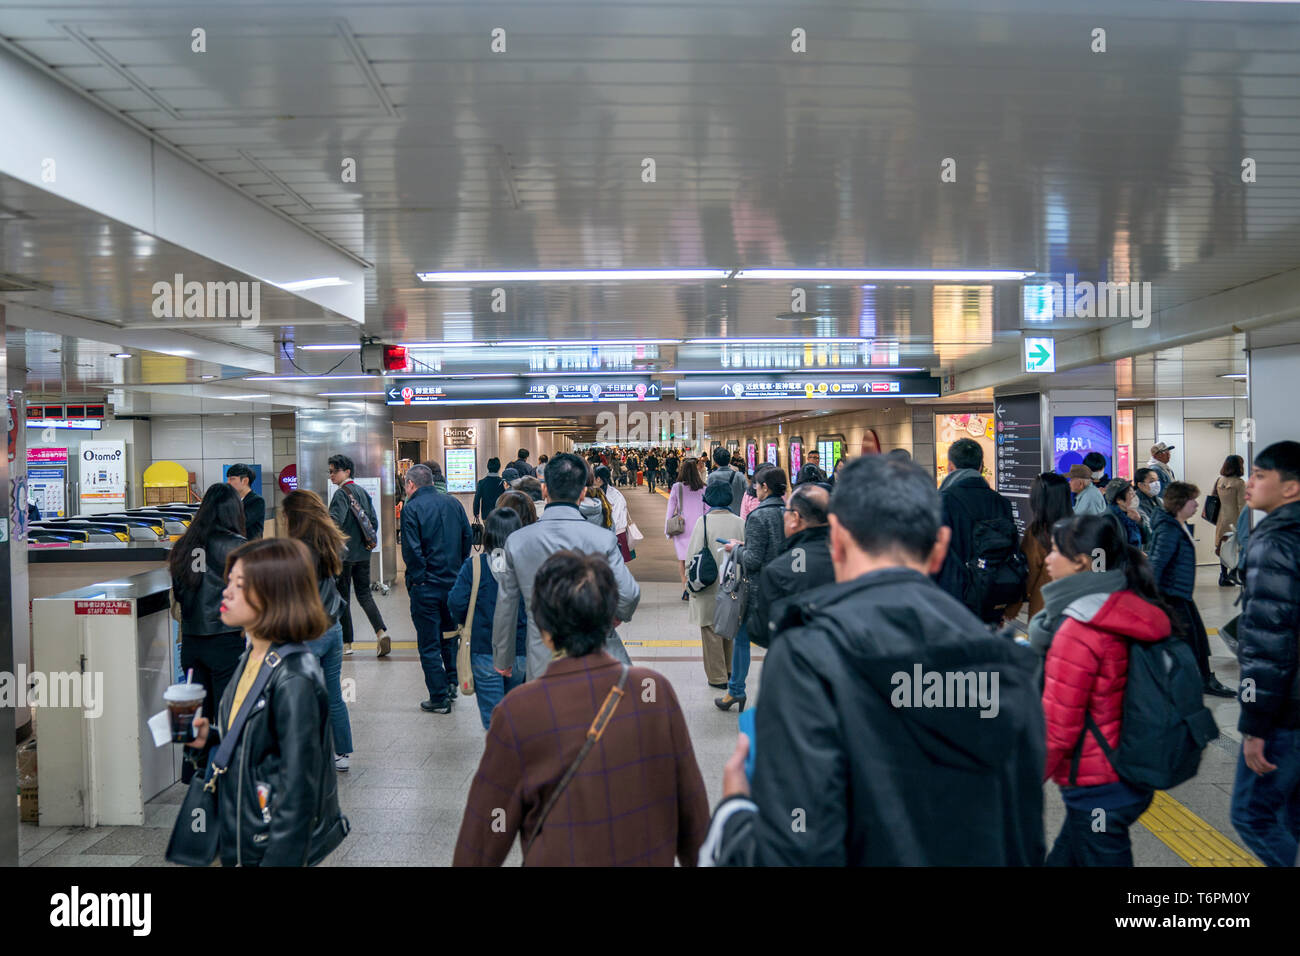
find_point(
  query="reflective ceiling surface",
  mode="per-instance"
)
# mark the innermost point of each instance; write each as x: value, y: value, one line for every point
x: 1122, y: 165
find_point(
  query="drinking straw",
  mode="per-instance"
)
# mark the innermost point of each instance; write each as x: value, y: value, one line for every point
x: 189, y: 676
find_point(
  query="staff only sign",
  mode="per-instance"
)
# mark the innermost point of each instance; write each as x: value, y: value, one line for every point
x: 102, y: 476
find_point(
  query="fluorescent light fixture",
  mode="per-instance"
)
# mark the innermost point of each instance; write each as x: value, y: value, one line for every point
x: 1232, y: 375
x: 789, y: 340
x: 345, y: 394
x: 582, y: 343
x: 888, y: 275
x: 306, y: 378
x: 1183, y: 398
x: 330, y: 348
x: 122, y: 355
x: 207, y: 376
x: 576, y: 275
x: 302, y: 285
x: 240, y: 397
x: 442, y: 345
x: 801, y: 372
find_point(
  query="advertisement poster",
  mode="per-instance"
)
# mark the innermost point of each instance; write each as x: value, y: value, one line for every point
x: 949, y: 428
x: 1074, y: 436
x: 103, y: 476
x: 45, y: 489
x: 796, y: 455
x: 46, y: 456
x: 751, y: 455
x: 771, y: 453
x: 460, y: 467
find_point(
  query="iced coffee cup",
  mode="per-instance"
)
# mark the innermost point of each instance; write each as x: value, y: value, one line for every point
x: 183, y: 702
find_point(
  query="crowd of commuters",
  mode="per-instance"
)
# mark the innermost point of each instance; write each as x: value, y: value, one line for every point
x: 871, y: 590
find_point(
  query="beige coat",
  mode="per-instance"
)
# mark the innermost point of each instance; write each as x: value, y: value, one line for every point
x: 722, y: 524
x: 1232, y: 498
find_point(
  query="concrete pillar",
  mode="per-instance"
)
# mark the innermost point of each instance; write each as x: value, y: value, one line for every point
x: 9, y: 652
x: 1272, y: 377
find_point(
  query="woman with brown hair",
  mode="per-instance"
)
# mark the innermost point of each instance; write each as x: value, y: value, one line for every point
x: 277, y: 794
x: 309, y: 521
x: 521, y: 504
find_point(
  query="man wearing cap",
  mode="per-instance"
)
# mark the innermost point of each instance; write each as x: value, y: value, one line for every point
x: 1159, y: 463
x: 1087, y: 499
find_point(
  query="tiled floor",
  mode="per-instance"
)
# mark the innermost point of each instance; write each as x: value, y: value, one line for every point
x: 411, y: 770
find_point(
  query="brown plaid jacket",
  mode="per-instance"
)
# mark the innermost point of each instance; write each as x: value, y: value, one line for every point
x: 637, y: 800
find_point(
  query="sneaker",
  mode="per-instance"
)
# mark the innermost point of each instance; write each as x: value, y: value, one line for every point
x: 347, y: 650
x: 342, y: 762
x: 384, y: 646
x: 444, y: 707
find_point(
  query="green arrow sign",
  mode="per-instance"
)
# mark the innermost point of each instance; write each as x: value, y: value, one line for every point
x: 1040, y: 355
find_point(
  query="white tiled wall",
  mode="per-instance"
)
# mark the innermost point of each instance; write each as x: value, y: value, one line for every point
x: 203, y: 443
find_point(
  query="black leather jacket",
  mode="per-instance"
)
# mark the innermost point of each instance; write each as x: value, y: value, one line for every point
x: 1270, y: 624
x: 201, y: 609
x: 287, y: 744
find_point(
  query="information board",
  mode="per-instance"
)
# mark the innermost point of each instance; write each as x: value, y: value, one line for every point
x: 1019, y: 429
x: 103, y: 476
x: 794, y: 387
x: 496, y: 391
x: 461, y: 468
x: 46, y: 488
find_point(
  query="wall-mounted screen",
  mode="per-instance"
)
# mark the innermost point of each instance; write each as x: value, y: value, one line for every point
x: 1074, y: 436
x: 460, y: 468
x: 751, y: 456
x: 772, y: 457
x: 796, y: 455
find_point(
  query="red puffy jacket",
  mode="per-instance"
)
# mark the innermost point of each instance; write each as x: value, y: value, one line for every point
x: 1087, y: 668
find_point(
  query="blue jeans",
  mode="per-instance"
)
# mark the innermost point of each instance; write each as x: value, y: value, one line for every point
x: 490, y: 687
x: 739, y: 662
x: 329, y: 648
x: 431, y: 617
x: 1266, y: 810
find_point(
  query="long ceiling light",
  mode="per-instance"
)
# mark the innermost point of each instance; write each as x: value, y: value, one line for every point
x: 330, y: 348
x: 306, y: 378
x: 1184, y: 398
x: 888, y: 275
x: 582, y: 343
x: 302, y: 285
x: 576, y: 275
x: 789, y: 340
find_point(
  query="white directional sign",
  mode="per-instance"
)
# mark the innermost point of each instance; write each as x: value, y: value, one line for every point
x: 1040, y: 354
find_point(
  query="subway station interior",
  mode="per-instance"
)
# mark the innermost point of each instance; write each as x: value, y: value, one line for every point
x: 274, y: 233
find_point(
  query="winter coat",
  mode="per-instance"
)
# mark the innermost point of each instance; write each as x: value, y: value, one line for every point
x: 723, y: 524
x: 1268, y: 633
x: 764, y: 538
x: 1173, y: 556
x: 1232, y: 498
x: 1087, y: 670
x: 803, y: 564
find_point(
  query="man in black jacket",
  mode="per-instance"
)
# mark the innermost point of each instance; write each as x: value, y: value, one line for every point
x: 1266, y: 792
x: 895, y: 728
x: 651, y: 470
x: 240, y: 477
x: 436, y: 540
x: 968, y: 503
x: 521, y: 465
x: 805, y: 559
x: 356, y: 557
x: 489, y: 489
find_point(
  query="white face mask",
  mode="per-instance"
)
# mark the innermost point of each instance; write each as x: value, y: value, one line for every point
x: 1154, y: 489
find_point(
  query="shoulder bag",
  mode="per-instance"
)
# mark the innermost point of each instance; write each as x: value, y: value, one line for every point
x: 702, y: 572
x: 677, y: 522
x: 1212, y: 507
x: 465, y: 632
x: 196, y: 835
x: 729, y: 609
x: 594, y: 732
x: 368, y: 537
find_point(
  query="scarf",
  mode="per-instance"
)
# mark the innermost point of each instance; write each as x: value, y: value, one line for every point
x: 958, y: 474
x: 1058, y: 595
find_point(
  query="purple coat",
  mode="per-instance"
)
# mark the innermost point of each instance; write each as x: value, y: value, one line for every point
x: 691, y: 504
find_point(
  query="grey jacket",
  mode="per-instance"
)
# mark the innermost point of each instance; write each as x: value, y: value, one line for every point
x: 560, y: 527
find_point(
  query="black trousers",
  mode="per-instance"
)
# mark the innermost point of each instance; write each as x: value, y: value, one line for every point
x: 214, y: 658
x: 358, y: 572
x: 1188, y: 618
x: 1097, y: 837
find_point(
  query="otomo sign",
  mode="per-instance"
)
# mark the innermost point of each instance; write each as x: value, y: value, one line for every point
x: 102, y: 476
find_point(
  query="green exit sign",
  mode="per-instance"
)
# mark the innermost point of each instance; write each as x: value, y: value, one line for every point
x: 1040, y: 354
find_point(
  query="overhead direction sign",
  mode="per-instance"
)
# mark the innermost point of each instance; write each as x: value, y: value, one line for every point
x: 411, y: 391
x: 796, y: 386
x: 1040, y: 354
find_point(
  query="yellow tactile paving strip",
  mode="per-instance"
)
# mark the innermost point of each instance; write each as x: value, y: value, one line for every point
x: 1191, y: 837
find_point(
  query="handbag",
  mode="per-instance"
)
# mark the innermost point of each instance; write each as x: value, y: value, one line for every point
x: 729, y: 608
x: 676, y: 522
x: 1210, y: 512
x: 594, y: 732
x: 465, y: 632
x: 476, y: 534
x: 634, y: 533
x: 196, y: 835
x: 702, y: 572
x: 368, y: 537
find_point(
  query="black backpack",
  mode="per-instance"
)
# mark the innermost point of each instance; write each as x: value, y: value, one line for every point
x: 1165, y: 724
x: 702, y: 572
x: 997, y: 572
